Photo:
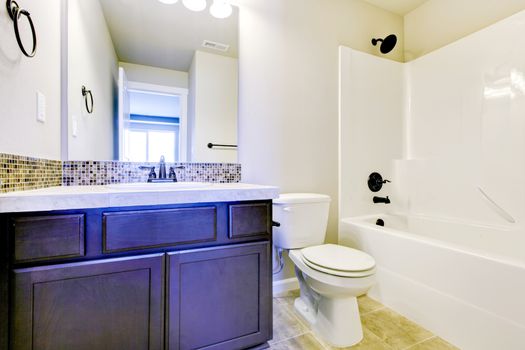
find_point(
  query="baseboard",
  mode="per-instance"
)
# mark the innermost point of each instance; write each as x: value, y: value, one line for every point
x: 282, y: 287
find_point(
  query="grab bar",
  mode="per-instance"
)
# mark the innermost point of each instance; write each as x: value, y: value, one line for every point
x: 499, y: 210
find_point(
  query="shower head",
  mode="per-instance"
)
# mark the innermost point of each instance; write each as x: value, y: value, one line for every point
x: 387, y: 44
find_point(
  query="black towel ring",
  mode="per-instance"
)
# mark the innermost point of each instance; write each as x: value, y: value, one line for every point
x: 15, y: 12
x: 85, y: 93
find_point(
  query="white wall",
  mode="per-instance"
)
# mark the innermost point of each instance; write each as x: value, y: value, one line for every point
x: 155, y: 75
x: 439, y: 22
x: 462, y: 129
x: 94, y: 64
x: 371, y: 131
x: 288, y: 111
x: 22, y: 77
x: 214, y: 113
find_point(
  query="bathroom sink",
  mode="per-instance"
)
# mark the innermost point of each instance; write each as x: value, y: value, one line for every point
x: 158, y: 186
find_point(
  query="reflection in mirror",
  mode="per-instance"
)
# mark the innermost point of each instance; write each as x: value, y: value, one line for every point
x: 164, y: 82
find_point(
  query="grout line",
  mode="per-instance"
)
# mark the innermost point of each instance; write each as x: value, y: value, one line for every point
x: 369, y: 312
x: 289, y: 308
x: 290, y: 338
x: 420, y: 342
x: 303, y: 324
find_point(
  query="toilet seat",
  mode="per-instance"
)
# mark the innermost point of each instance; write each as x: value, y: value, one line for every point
x: 338, y: 260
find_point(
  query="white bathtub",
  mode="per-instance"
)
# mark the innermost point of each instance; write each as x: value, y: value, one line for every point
x: 465, y: 282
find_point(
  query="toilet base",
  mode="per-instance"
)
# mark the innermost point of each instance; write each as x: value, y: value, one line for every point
x: 335, y: 320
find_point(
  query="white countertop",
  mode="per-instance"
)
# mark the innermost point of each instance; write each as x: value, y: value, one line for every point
x: 85, y: 197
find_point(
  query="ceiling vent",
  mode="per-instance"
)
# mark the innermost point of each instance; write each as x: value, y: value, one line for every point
x: 215, y: 46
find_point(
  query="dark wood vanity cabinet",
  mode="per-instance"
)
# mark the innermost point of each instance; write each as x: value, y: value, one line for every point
x: 185, y: 283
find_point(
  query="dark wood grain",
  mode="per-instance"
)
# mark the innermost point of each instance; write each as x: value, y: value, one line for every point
x: 4, y: 284
x: 102, y: 291
x: 253, y: 219
x: 156, y: 228
x: 38, y: 238
x: 219, y: 298
x: 111, y: 304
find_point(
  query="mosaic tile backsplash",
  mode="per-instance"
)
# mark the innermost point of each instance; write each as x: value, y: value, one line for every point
x: 80, y: 173
x: 18, y: 173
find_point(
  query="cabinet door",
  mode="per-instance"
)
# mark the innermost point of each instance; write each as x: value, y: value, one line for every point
x: 107, y: 304
x: 220, y: 298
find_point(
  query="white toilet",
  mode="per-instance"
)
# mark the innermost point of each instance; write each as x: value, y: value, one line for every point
x: 331, y: 277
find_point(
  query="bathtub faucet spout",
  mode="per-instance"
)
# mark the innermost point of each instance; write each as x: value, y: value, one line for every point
x: 385, y: 200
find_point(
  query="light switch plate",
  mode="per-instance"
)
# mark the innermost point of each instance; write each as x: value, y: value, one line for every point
x: 74, y: 126
x: 41, y: 107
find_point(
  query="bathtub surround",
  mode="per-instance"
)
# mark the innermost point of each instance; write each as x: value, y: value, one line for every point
x: 372, y: 87
x: 425, y: 32
x: 19, y: 173
x: 456, y: 163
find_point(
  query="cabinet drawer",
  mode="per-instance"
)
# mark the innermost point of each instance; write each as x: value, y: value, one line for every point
x: 253, y: 219
x: 39, y: 238
x: 158, y: 228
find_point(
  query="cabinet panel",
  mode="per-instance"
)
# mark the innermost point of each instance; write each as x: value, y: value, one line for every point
x: 39, y: 238
x: 219, y: 298
x: 109, y: 304
x: 158, y: 228
x: 252, y: 219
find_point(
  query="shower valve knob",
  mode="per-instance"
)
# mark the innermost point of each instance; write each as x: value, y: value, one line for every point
x: 376, y: 182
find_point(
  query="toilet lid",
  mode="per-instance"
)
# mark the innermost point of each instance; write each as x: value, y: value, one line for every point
x: 338, y: 258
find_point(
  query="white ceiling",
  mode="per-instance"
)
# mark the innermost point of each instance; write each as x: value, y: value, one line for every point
x: 401, y: 7
x: 151, y: 33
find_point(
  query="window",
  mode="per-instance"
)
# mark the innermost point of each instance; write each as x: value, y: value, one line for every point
x: 146, y: 139
x: 153, y: 127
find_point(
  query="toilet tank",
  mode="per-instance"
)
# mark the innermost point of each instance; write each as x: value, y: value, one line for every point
x: 303, y: 218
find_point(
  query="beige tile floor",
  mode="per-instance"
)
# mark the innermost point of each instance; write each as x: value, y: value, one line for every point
x: 383, y: 329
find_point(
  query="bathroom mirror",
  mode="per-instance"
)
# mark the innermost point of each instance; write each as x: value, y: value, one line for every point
x: 151, y: 77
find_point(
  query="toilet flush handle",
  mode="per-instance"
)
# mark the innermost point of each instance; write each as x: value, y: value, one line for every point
x: 288, y: 209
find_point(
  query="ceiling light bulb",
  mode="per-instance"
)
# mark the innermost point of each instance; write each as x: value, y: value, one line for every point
x: 169, y: 2
x: 221, y: 9
x: 195, y: 5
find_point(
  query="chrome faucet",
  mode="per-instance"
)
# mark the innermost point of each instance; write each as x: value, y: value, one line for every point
x: 162, y: 168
